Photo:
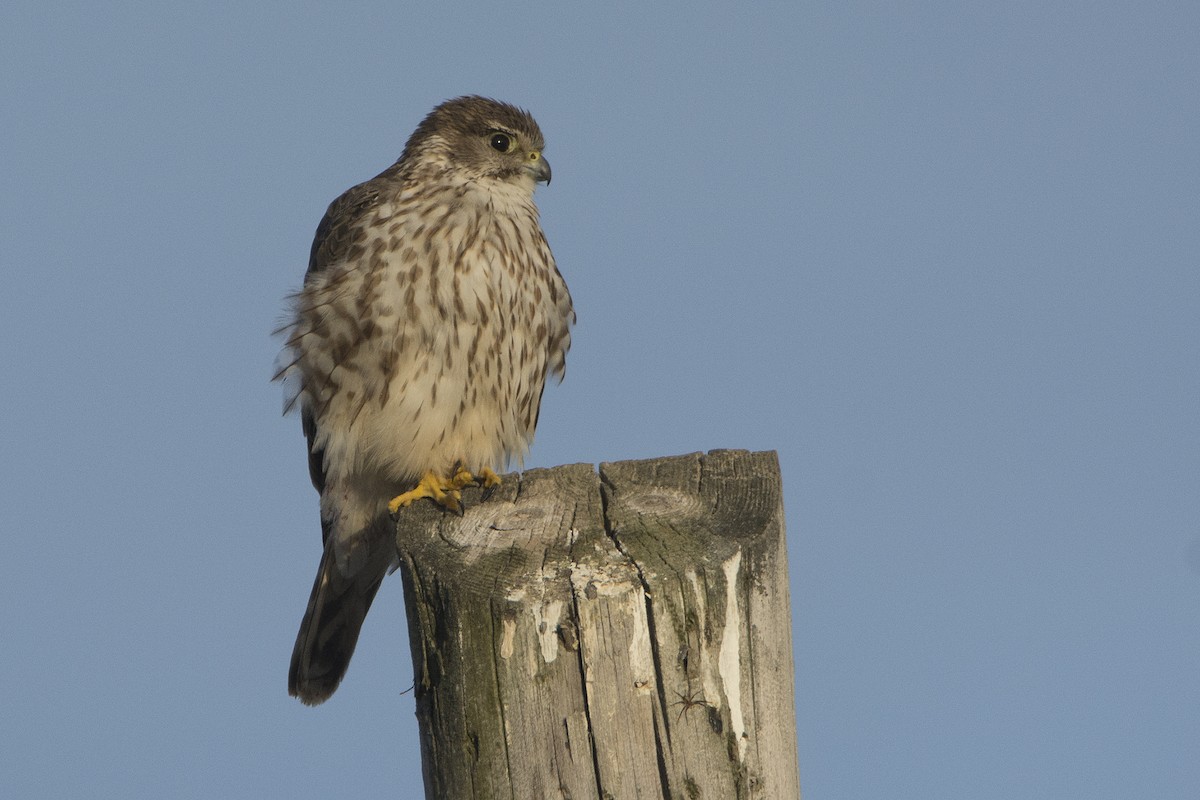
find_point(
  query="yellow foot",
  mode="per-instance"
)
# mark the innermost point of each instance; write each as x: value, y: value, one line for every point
x: 443, y: 491
x: 446, y: 492
x: 488, y: 479
x: 462, y: 478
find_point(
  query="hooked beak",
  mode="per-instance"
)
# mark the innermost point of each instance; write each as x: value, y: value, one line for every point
x: 539, y: 168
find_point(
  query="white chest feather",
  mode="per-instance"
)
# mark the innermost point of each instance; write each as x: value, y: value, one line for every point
x: 430, y: 344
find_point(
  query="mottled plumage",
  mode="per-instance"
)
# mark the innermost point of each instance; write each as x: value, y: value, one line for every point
x: 431, y: 313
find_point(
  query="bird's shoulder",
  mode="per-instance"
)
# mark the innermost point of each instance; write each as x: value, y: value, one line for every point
x: 342, y: 228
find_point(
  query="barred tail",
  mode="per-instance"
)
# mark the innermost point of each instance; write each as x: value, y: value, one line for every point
x: 336, y: 610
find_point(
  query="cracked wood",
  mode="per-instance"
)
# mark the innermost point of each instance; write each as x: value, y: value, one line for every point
x: 621, y: 634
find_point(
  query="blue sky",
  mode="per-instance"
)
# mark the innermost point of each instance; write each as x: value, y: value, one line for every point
x: 941, y: 256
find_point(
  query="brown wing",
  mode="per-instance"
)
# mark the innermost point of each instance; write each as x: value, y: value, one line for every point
x: 340, y: 230
x: 316, y: 464
x: 338, y: 235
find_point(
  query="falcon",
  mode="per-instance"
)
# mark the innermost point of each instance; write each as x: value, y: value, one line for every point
x: 417, y: 351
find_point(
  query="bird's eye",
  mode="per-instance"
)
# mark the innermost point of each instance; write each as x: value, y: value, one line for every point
x: 501, y: 142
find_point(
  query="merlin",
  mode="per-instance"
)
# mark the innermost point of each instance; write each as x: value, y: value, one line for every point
x: 417, y: 351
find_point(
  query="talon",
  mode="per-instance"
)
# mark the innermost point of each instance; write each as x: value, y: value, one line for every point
x: 443, y: 491
x: 446, y: 491
x: 462, y: 478
x: 488, y: 479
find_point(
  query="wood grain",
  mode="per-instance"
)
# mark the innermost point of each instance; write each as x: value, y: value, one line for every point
x: 621, y: 634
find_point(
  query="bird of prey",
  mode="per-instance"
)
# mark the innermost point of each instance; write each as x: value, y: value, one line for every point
x: 417, y: 350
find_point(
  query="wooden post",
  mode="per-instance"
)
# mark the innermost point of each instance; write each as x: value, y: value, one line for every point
x: 621, y: 635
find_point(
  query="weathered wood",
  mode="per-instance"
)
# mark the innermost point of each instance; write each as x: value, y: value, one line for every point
x: 621, y: 635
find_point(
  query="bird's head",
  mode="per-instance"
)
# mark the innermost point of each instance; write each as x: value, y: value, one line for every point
x: 480, y: 139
